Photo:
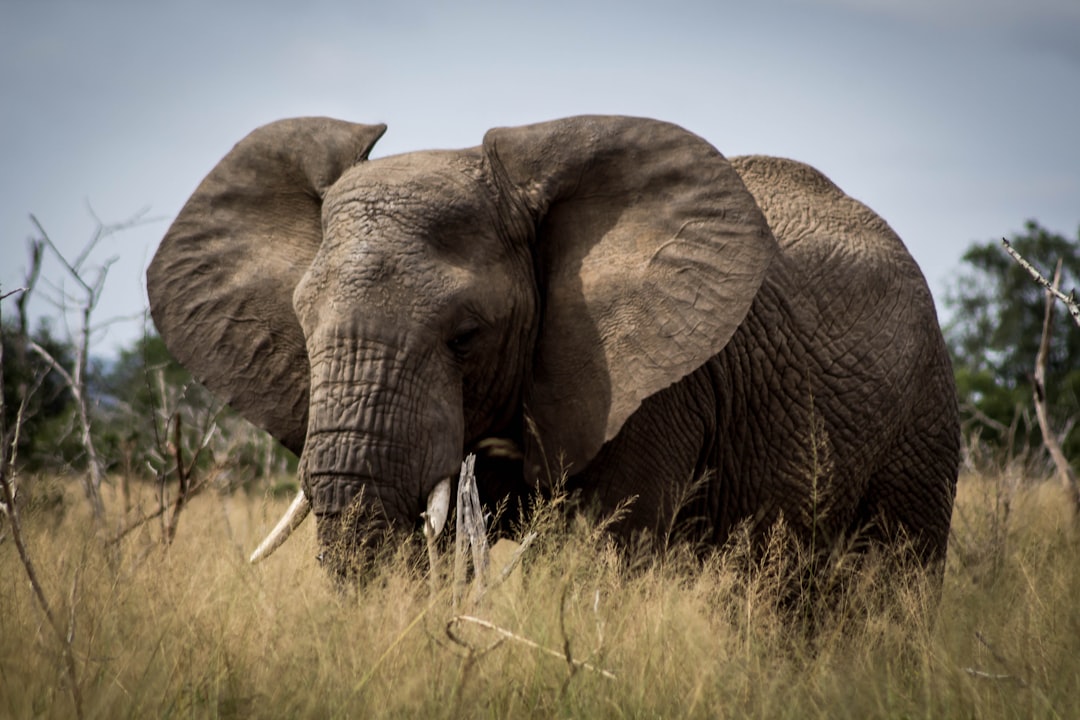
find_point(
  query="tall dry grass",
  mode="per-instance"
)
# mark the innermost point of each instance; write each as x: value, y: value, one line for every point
x: 194, y: 631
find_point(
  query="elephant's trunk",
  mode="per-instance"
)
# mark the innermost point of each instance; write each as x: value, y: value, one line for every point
x: 385, y: 429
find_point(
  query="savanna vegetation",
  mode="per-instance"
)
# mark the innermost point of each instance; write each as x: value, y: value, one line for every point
x: 192, y: 630
x: 143, y: 604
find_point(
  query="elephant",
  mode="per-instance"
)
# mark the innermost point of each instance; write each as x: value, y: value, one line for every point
x: 610, y: 295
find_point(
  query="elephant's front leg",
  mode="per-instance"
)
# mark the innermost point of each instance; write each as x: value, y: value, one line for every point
x: 657, y: 470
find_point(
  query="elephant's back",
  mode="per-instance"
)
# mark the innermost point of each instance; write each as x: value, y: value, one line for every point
x: 859, y: 296
x: 817, y: 223
x: 848, y: 269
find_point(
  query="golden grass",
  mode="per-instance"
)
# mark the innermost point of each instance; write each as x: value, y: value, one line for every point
x: 194, y: 631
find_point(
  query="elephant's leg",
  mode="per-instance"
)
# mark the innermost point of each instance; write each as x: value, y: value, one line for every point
x: 657, y: 463
x: 911, y: 498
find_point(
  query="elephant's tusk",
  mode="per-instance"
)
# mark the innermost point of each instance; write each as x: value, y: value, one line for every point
x: 289, y: 521
x: 438, y: 505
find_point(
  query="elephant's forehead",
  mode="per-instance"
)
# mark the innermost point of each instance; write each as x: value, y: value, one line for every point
x: 385, y: 268
x: 413, y: 217
x: 368, y: 292
x: 422, y: 194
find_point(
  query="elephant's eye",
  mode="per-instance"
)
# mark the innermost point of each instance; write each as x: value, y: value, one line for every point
x: 464, y: 340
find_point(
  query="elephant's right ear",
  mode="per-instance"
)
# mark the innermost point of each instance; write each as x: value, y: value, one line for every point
x: 222, y: 281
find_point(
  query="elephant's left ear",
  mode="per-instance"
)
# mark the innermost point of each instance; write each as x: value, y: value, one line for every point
x: 650, y: 250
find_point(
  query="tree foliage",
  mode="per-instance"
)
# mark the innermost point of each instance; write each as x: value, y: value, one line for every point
x: 47, y: 434
x: 136, y: 400
x: 136, y: 394
x: 148, y: 393
x: 994, y: 335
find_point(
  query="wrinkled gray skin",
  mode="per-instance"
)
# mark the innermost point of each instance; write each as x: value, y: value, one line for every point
x: 658, y: 311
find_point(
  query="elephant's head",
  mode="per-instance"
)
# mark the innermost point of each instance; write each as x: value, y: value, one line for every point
x: 380, y: 317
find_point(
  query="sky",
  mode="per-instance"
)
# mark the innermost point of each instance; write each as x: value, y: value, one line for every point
x: 956, y: 120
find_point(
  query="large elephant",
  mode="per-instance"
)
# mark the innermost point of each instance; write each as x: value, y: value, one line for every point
x: 610, y: 293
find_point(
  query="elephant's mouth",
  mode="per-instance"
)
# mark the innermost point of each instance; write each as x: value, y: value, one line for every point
x: 433, y: 517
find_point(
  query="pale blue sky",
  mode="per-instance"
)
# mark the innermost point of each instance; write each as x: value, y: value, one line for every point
x: 955, y: 119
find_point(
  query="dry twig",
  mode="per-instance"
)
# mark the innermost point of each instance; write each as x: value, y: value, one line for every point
x: 1000, y: 660
x: 162, y: 509
x: 512, y: 563
x: 576, y: 664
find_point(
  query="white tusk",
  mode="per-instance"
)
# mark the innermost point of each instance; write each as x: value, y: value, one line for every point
x: 438, y: 505
x: 289, y: 521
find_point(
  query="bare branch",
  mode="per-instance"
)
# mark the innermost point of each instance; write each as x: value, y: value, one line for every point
x: 163, y: 508
x: 72, y: 271
x: 56, y: 366
x: 103, y: 230
x: 87, y: 303
x: 36, y: 255
x: 526, y: 641
x: 138, y: 523
x: 1064, y: 472
x: 92, y: 481
x: 998, y: 657
x: 974, y: 672
x: 105, y: 324
x: 11, y: 511
x: 1069, y: 300
x: 567, y: 654
x: 183, y: 474
x: 979, y: 416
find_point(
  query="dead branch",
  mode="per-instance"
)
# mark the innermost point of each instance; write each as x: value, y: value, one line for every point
x: 20, y: 349
x: 578, y: 664
x: 138, y: 523
x: 974, y: 672
x: 1069, y: 300
x: 91, y: 283
x: 162, y: 509
x: 11, y: 511
x: 36, y: 248
x: 1064, y: 472
x: 476, y: 527
x: 168, y: 456
x: 183, y: 472
x: 998, y: 657
x: 92, y: 480
x: 183, y: 477
x: 471, y: 534
x: 979, y: 416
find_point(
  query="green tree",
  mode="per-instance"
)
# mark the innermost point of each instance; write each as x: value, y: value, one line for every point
x: 994, y: 335
x: 141, y: 395
x: 141, y: 371
x: 134, y: 394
